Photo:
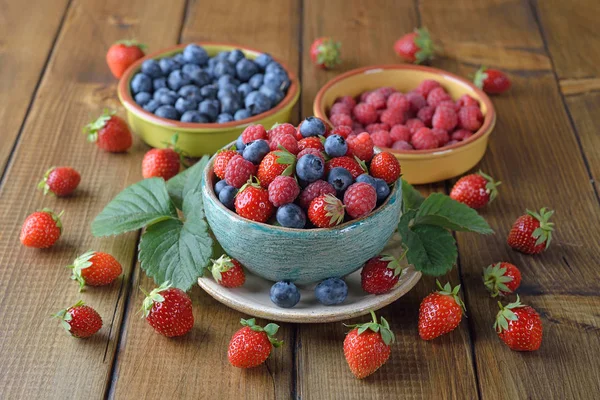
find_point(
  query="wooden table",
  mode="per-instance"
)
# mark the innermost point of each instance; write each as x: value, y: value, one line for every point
x: 545, y: 148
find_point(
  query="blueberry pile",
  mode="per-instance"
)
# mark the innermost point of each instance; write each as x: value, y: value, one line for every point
x: 193, y: 87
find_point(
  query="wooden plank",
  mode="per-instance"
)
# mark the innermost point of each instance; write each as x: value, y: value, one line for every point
x: 416, y: 369
x: 23, y: 55
x: 40, y: 360
x: 196, y: 366
x: 535, y: 153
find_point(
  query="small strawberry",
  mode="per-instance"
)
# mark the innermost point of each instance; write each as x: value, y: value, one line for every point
x: 95, y: 269
x: 254, y: 132
x: 274, y: 164
x: 228, y: 272
x: 367, y: 346
x: 221, y: 160
x: 326, y: 211
x: 122, y: 54
x: 440, y: 312
x: 380, y: 274
x: 365, y: 113
x: 238, y: 171
x: 168, y: 310
x: 361, y: 146
x: 41, y: 229
x: 354, y: 165
x: 312, y: 142
x: 251, y: 346
x: 325, y: 53
x: 475, y: 190
x: 80, y: 321
x: 502, y: 278
x: 491, y: 81
x: 162, y: 163
x: 415, y: 47
x: 60, y: 181
x: 109, y: 132
x: 360, y: 199
x: 532, y: 233
x: 252, y: 202
x: 314, y: 190
x: 519, y: 326
x: 385, y: 166
x: 283, y: 190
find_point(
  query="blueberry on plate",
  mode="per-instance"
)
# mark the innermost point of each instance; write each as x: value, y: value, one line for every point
x: 256, y: 81
x: 159, y: 83
x: 239, y: 144
x: 263, y: 60
x: 209, y: 91
x: 227, y: 196
x: 276, y: 81
x: 190, y: 92
x: 241, y: 114
x: 151, y: 106
x: 177, y: 79
x: 257, y: 150
x: 223, y: 68
x: 230, y: 104
x: 167, y: 65
x: 182, y: 105
x: 165, y: 97
x: 340, y: 178
x: 382, y: 189
x: 168, y: 112
x: 291, y: 216
x: 336, y: 146
x: 284, y: 294
x: 235, y: 55
x: 244, y: 89
x: 223, y: 118
x: 257, y: 102
x: 210, y: 108
x: 310, y: 168
x: 245, y: 69
x: 194, y: 116
x: 227, y: 80
x: 141, y: 83
x: 331, y: 291
x: 142, y: 98
x: 366, y: 178
x: 219, y: 186
x: 274, y: 95
x: 152, y: 69
x: 195, y: 54
x: 312, y: 126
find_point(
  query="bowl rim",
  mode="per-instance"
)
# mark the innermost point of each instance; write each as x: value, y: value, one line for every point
x: 129, y: 103
x: 486, y: 128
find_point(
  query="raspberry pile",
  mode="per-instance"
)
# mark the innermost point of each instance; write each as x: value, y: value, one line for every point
x: 425, y: 118
x: 308, y: 176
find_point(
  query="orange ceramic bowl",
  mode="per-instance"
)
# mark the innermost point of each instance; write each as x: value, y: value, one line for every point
x: 418, y: 166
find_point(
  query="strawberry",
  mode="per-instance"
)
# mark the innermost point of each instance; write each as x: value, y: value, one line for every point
x: 41, y: 229
x: 274, y: 164
x: 385, y: 166
x: 380, y: 274
x: 251, y: 346
x: 325, y: 53
x: 502, y: 278
x: 491, y: 81
x: 519, y: 326
x: 532, y: 233
x: 475, y: 190
x: 326, y: 211
x: 221, y: 160
x: 60, y: 181
x: 415, y: 47
x: 162, y: 163
x: 314, y: 190
x: 354, y: 165
x: 440, y: 312
x: 360, y: 199
x: 109, y: 132
x: 122, y: 54
x: 367, y: 346
x: 80, y: 321
x: 95, y: 269
x: 168, y: 310
x: 312, y: 142
x: 252, y: 202
x: 228, y: 272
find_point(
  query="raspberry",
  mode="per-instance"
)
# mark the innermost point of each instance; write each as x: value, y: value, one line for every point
x: 449, y: 104
x: 470, y: 118
x: 376, y: 99
x: 365, y: 113
x: 436, y: 96
x: 345, y: 162
x: 361, y: 146
x: 381, y: 139
x: 310, y: 150
x: 392, y: 117
x: 363, y: 96
x: 397, y: 101
x: 385, y: 166
x: 254, y: 132
x: 425, y: 114
x: 386, y: 91
x: 402, y: 145
x: 312, y: 142
x: 461, y: 134
x: 343, y: 131
x: 280, y: 129
x: 424, y: 139
x: 414, y: 125
x: 238, y: 171
x: 221, y: 161
x: 341, y: 120
x: 372, y: 128
x: 283, y: 190
x: 360, y: 199
x: 347, y: 100
x: 441, y: 136
x: 400, y: 132
x: 450, y: 143
x: 466, y: 100
x: 340, y: 108
x: 427, y: 86
x: 314, y: 190
x: 416, y: 100
x: 288, y: 142
x: 444, y: 118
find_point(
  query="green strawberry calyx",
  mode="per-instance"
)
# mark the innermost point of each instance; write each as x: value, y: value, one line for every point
x: 92, y: 129
x: 284, y: 157
x: 491, y: 187
x: 132, y: 42
x: 172, y: 144
x: 480, y: 76
x: 43, y: 185
x: 425, y: 45
x: 394, y: 262
x: 448, y: 290
x: 80, y: 263
x: 328, y: 53
x: 220, y: 265
x: 383, y: 328
x: 252, y: 182
x: 55, y: 217
x: 506, y: 314
x: 544, y: 232
x: 270, y: 329
x: 65, y: 316
x: 153, y: 297
x: 334, y: 210
x: 495, y: 279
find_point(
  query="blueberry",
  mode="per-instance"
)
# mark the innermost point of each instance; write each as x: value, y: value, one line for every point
x: 159, y: 83
x: 256, y: 81
x: 263, y: 60
x: 312, y: 126
x: 228, y: 90
x: 221, y: 56
x: 336, y: 146
x: 152, y: 69
x: 382, y: 189
x: 245, y: 69
x: 190, y: 68
x: 210, y: 70
x: 223, y: 118
x: 151, y: 106
x: 194, y: 116
x: 142, y: 98
x: 168, y: 112
x: 210, y: 108
x: 182, y: 105
x: 178, y: 58
x: 165, y: 97
x: 275, y: 95
x: 223, y: 68
x: 235, y: 55
x: 310, y: 168
x: 257, y: 150
x: 219, y: 186
x: 244, y: 89
x: 190, y: 92
x: 366, y: 178
x: 274, y: 66
x: 177, y: 79
x: 340, y: 178
x: 141, y: 83
x: 276, y: 81
x: 230, y: 104
x: 257, y: 102
x: 227, y: 196
x: 291, y: 216
x: 239, y: 144
x: 331, y: 291
x: 167, y: 65
x: 227, y: 80
x: 195, y: 54
x: 200, y: 77
x: 241, y: 114
x: 209, y: 91
x: 284, y: 294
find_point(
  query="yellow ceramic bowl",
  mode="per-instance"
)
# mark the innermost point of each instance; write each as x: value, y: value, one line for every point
x: 418, y: 166
x: 198, y: 139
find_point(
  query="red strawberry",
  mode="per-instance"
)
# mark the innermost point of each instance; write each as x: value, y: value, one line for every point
x: 400, y: 132
x: 532, y: 233
x: 444, y: 118
x: 424, y: 139
x: 519, y: 326
x: 80, y: 321
x: 367, y: 346
x: 326, y: 211
x: 169, y: 311
x: 380, y: 274
x: 283, y: 190
x: 60, y: 181
x: 95, y: 269
x: 502, y: 278
x: 252, y: 202
x: 228, y: 272
x: 353, y: 165
x: 274, y: 164
x: 365, y: 113
x: 361, y: 146
x: 162, y: 163
x: 41, y: 229
x: 311, y: 142
x: 385, y: 166
x: 251, y: 346
x: 440, y: 312
x: 314, y: 190
x: 491, y: 80
x: 415, y: 47
x: 436, y: 96
x: 475, y: 190
x: 360, y: 199
x: 325, y: 53
x: 254, y: 132
x: 470, y: 118
x: 109, y: 132
x: 221, y: 160
x: 238, y: 171
x: 122, y: 54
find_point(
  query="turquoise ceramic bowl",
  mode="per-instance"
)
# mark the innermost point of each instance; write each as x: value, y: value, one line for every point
x: 300, y: 255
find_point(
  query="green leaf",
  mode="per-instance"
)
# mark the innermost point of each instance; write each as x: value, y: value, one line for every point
x: 182, y: 183
x: 431, y: 249
x: 141, y: 204
x: 411, y: 198
x: 440, y: 210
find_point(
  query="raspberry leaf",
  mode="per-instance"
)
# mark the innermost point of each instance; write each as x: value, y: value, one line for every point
x: 411, y: 198
x: 442, y: 211
x: 182, y: 183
